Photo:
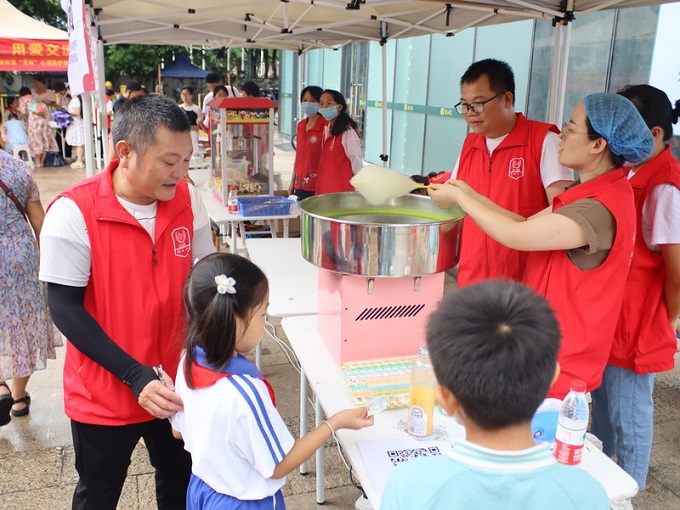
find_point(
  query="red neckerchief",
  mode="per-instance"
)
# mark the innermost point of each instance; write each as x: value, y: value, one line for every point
x: 204, y: 377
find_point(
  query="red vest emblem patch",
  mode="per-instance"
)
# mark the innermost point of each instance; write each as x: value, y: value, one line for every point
x: 181, y: 242
x: 516, y: 168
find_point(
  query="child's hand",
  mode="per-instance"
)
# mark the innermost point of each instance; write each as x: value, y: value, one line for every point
x: 354, y: 418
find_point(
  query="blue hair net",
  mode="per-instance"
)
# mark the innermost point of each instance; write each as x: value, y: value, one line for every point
x: 618, y: 121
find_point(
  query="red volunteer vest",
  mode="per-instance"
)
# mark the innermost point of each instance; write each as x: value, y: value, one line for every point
x: 511, y: 177
x: 134, y: 293
x: 587, y: 303
x: 335, y: 168
x: 644, y: 341
x: 308, y: 153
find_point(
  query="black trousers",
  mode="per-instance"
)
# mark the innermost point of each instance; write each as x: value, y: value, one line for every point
x: 103, y: 456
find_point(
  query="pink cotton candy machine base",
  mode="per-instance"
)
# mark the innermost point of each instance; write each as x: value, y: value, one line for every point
x: 381, y: 270
x: 363, y: 318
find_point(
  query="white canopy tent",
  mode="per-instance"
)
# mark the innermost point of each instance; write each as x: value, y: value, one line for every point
x: 17, y: 25
x: 302, y: 25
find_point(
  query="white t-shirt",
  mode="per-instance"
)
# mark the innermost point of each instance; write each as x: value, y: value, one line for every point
x: 208, y: 97
x: 661, y: 216
x: 65, y: 256
x: 352, y: 145
x: 551, y: 170
x: 235, y: 435
x: 231, y: 92
x: 194, y: 108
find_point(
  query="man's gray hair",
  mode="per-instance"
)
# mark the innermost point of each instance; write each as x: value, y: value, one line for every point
x: 137, y: 120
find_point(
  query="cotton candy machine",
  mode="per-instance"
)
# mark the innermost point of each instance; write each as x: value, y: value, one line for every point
x: 381, y: 270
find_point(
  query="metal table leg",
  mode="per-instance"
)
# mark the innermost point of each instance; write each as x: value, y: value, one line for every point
x: 320, y: 459
x: 304, y: 467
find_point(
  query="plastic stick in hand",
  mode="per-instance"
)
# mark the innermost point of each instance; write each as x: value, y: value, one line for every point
x: 378, y: 185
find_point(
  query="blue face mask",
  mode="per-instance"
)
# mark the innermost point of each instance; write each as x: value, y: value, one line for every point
x: 329, y: 113
x: 308, y: 108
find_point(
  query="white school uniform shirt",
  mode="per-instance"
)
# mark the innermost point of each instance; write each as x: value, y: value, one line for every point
x: 235, y: 435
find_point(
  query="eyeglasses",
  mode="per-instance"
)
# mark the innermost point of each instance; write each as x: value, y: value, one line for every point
x: 567, y: 130
x: 476, y: 107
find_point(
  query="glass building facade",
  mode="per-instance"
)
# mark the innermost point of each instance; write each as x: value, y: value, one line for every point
x: 608, y: 50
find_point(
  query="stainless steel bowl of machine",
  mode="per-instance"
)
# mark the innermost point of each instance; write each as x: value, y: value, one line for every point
x: 410, y: 236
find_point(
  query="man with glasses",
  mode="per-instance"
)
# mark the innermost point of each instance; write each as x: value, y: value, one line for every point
x: 507, y: 158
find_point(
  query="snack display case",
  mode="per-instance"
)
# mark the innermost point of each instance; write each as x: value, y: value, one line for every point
x: 242, y: 145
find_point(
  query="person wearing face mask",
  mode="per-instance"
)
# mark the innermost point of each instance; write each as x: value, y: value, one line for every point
x: 309, y: 139
x: 341, y: 153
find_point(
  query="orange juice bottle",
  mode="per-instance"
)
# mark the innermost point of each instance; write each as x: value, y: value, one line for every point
x: 421, y: 402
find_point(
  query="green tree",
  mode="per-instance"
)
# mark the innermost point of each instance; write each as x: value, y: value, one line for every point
x: 137, y: 61
x: 47, y: 11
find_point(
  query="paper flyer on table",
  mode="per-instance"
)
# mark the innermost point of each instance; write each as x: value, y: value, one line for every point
x: 381, y: 457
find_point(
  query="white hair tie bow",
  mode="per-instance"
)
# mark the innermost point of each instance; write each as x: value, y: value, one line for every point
x: 225, y: 285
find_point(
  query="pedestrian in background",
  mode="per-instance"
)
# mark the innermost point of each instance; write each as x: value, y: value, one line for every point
x: 27, y: 336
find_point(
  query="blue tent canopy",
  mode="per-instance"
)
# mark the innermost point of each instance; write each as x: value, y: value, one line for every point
x: 182, y: 68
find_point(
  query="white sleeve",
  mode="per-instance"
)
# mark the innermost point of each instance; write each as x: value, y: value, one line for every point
x: 661, y: 216
x: 208, y: 97
x: 65, y: 256
x: 202, y: 243
x: 352, y: 145
x: 551, y: 170
x: 265, y: 439
x: 454, y: 173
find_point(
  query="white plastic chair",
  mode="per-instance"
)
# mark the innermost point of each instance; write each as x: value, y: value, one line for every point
x: 23, y: 152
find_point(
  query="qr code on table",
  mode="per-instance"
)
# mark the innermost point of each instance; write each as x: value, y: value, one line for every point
x: 398, y: 456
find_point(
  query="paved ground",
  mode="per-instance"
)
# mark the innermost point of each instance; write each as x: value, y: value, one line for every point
x: 36, y: 453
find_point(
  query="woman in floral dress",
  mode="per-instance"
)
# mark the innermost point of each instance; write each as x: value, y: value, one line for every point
x: 27, y: 336
x: 40, y: 136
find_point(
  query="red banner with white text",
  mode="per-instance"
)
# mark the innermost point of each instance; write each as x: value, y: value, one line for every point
x: 33, y: 55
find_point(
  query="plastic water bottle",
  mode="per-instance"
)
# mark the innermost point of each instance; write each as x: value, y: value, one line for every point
x: 421, y: 403
x: 572, y: 425
x: 232, y: 200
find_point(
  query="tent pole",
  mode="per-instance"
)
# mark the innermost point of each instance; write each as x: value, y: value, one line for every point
x: 383, y: 51
x: 102, y: 120
x: 564, y: 64
x: 554, y: 85
x: 86, y: 104
x: 100, y: 98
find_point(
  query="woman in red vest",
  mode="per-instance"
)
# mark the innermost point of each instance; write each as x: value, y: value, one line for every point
x: 581, y: 247
x: 341, y: 155
x: 644, y: 341
x: 309, y: 140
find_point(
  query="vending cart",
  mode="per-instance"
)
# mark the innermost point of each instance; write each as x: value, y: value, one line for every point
x: 242, y: 145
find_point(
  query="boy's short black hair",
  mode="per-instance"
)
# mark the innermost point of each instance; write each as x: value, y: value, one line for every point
x: 212, y: 78
x: 499, y: 73
x: 494, y: 347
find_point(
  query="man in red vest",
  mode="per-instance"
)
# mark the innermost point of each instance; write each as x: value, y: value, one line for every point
x: 115, y: 251
x: 508, y: 159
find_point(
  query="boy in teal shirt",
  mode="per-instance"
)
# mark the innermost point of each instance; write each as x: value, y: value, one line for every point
x: 494, y: 350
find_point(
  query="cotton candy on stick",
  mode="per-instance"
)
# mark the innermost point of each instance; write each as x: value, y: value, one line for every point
x: 378, y: 185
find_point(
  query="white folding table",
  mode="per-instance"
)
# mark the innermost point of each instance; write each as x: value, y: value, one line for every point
x: 231, y: 224
x: 331, y: 390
